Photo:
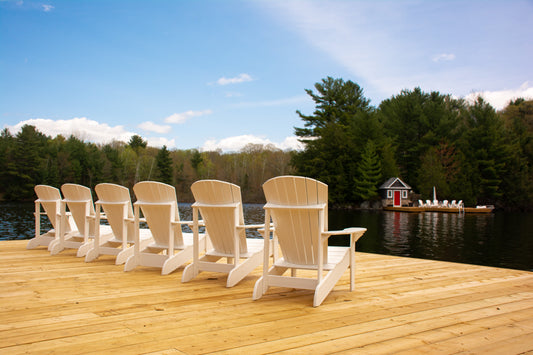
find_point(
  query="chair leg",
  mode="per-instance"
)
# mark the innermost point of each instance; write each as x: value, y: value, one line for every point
x: 131, y: 262
x: 84, y: 248
x: 124, y: 255
x: 56, y: 248
x: 91, y: 255
x: 189, y: 273
x: 258, y: 289
x: 328, y: 282
x: 177, y: 260
x: 240, y: 272
x: 43, y: 240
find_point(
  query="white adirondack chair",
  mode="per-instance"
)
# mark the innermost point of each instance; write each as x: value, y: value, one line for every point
x: 158, y: 203
x: 220, y: 206
x: 115, y: 201
x: 79, y: 201
x: 298, y: 206
x: 50, y: 199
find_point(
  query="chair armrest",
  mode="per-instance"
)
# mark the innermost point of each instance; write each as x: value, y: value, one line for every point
x: 262, y: 229
x: 254, y: 226
x: 201, y: 223
x: 250, y: 226
x: 357, y: 231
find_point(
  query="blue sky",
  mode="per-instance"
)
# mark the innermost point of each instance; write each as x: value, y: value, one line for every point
x: 213, y: 74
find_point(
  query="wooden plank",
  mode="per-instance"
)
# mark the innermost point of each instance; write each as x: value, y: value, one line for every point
x: 61, y: 304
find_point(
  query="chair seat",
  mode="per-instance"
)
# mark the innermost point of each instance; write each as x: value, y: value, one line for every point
x: 187, y: 242
x: 254, y: 246
x: 335, y: 256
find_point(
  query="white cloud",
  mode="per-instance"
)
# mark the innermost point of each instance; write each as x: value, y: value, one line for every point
x: 387, y: 46
x: 500, y: 99
x: 241, y: 78
x: 444, y: 57
x: 352, y: 33
x: 184, y: 116
x: 153, y: 127
x: 89, y: 130
x: 80, y: 127
x: 234, y: 144
x: 160, y: 142
x: 47, y: 8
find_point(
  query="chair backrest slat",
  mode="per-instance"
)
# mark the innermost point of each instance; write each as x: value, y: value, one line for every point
x: 160, y: 208
x: 50, y: 198
x: 220, y: 206
x: 116, y: 203
x: 298, y: 207
x: 80, y: 203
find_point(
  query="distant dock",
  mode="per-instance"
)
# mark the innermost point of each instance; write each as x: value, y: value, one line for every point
x: 440, y: 209
x: 60, y: 304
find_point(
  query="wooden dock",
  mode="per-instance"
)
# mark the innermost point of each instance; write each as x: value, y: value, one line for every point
x: 60, y: 304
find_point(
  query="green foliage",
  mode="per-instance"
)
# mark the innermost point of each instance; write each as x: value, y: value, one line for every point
x: 30, y: 158
x: 334, y: 134
x: 137, y: 143
x: 417, y: 121
x: 164, y: 166
x: 369, y: 174
x: 467, y: 151
x: 485, y: 149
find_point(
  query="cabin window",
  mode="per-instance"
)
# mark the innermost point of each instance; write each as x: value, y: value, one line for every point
x: 389, y: 193
x: 404, y: 194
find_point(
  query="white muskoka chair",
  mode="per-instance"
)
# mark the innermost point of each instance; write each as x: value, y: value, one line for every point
x: 115, y: 201
x: 220, y: 206
x: 158, y: 204
x: 79, y: 201
x: 298, y: 206
x: 50, y: 199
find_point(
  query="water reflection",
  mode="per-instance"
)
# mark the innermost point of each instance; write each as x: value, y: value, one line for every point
x: 498, y: 239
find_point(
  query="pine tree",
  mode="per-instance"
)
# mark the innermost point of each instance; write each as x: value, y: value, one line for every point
x: 369, y: 173
x: 164, y: 165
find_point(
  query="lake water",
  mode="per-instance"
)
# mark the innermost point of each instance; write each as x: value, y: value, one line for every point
x: 498, y: 239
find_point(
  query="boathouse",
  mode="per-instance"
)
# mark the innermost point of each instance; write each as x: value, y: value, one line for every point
x: 395, y: 192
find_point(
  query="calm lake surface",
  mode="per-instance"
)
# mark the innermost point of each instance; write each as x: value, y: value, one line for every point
x: 498, y: 239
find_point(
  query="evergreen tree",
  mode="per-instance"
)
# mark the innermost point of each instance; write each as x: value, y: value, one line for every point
x: 137, y: 143
x: 164, y: 166
x: 196, y: 161
x: 27, y: 164
x: 416, y: 121
x: 517, y: 182
x: 369, y: 172
x: 333, y: 136
x: 485, y: 149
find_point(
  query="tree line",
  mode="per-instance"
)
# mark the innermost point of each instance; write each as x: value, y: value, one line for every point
x: 30, y: 158
x: 468, y: 151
